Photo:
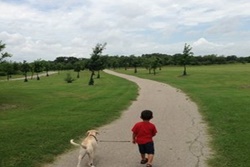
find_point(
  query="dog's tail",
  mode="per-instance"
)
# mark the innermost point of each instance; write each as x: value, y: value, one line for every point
x: 76, y: 144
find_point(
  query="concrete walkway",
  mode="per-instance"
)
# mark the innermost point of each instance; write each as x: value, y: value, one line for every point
x: 181, y: 140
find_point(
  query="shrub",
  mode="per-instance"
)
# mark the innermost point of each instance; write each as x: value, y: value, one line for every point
x: 69, y: 79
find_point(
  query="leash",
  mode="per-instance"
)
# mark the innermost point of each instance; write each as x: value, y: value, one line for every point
x: 94, y: 137
x: 119, y: 141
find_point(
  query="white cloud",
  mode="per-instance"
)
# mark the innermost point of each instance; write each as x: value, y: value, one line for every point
x: 202, y: 45
x: 205, y: 47
x: 47, y: 29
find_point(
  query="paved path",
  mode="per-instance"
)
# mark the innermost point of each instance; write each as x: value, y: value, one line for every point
x: 181, y: 140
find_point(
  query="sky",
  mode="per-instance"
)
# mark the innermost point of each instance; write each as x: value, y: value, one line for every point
x: 47, y: 29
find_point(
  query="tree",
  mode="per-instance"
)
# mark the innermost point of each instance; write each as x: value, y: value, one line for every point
x: 8, y: 69
x: 25, y: 68
x: 185, y: 57
x: 59, y: 67
x: 38, y: 67
x: 78, y: 67
x: 95, y: 63
x: 5, y: 54
x: 134, y: 62
x: 112, y: 62
x: 147, y: 63
x: 32, y: 69
x: 124, y: 62
x: 155, y: 63
x: 69, y: 78
x: 177, y: 59
x: 103, y: 61
x: 47, y: 66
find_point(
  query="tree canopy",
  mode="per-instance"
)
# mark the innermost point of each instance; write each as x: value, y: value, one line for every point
x: 3, y: 54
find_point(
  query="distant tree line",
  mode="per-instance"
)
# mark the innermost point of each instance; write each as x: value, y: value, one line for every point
x: 149, y: 61
x: 98, y: 62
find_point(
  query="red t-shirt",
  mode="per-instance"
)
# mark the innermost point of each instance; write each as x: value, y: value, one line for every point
x: 144, y: 132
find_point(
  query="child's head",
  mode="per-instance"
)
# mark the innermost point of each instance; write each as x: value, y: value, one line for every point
x: 146, y: 115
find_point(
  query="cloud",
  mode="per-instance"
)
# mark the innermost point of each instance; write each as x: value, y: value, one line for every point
x: 205, y: 47
x: 47, y: 29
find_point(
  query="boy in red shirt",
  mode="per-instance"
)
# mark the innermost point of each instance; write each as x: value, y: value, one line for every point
x: 143, y: 133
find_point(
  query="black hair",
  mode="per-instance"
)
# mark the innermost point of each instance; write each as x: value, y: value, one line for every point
x: 146, y: 115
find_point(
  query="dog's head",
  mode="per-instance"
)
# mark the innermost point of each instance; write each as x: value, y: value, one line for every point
x: 92, y: 133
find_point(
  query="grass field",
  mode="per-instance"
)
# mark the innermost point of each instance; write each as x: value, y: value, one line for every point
x: 222, y: 93
x: 38, y: 118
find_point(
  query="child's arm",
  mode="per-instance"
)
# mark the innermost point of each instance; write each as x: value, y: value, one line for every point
x: 133, y: 138
x: 154, y: 131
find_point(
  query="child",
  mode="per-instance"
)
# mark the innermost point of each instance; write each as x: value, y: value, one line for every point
x: 143, y: 133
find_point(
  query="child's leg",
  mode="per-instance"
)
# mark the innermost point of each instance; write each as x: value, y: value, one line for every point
x: 143, y: 156
x: 150, y: 158
x: 150, y: 150
x: 143, y: 159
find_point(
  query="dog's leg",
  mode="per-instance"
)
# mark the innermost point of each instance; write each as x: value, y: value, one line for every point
x: 91, y: 159
x: 82, y: 153
x: 79, y: 160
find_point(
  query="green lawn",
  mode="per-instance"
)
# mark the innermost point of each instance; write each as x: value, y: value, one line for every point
x: 38, y: 118
x: 222, y: 93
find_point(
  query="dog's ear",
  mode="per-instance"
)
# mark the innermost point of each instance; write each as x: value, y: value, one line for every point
x: 87, y: 133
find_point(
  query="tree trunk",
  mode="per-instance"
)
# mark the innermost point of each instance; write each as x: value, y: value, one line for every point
x: 25, y: 78
x: 31, y: 77
x: 98, y: 74
x: 91, y: 80
x: 37, y: 77
x: 135, y: 70
x: 185, y: 71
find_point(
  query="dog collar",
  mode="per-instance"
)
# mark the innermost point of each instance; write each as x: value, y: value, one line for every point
x: 94, y: 137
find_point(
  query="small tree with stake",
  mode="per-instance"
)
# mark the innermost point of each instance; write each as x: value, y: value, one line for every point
x: 78, y: 67
x: 69, y: 78
x: 25, y: 68
x: 95, y: 61
x: 185, y: 57
x: 38, y: 67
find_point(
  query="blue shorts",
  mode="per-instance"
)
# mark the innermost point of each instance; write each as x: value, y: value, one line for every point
x: 147, y: 148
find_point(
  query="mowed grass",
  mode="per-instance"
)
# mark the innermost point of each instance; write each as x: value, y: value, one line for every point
x: 38, y: 118
x: 222, y: 93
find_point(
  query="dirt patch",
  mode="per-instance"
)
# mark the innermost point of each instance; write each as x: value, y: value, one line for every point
x: 245, y: 86
x: 4, y: 107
